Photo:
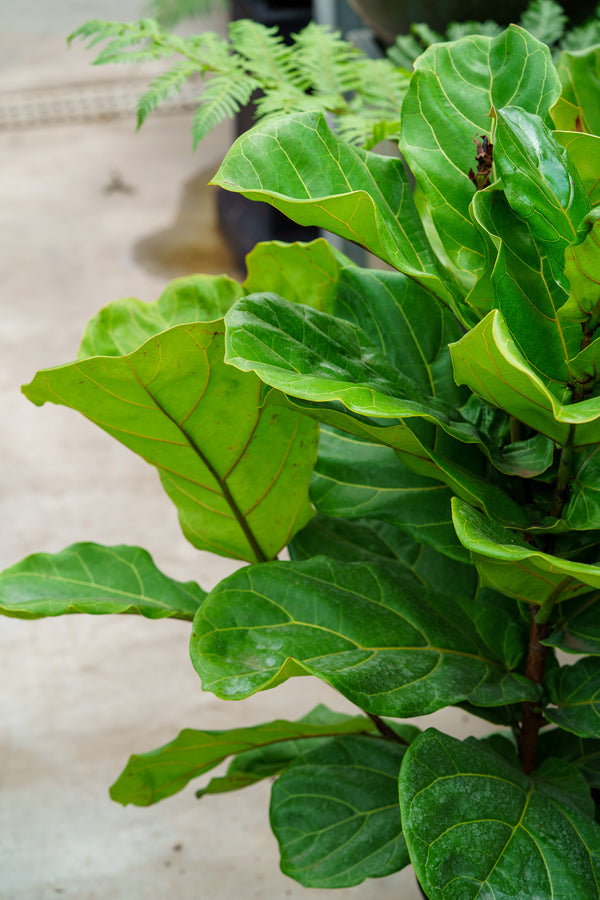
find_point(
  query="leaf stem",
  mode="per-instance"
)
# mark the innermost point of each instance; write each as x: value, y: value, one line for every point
x: 561, y: 490
x: 385, y: 730
x: 532, y: 716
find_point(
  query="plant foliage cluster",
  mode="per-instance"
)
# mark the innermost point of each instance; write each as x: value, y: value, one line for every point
x: 425, y: 441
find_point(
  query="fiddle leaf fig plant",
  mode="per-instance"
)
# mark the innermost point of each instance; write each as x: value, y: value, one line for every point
x: 424, y: 441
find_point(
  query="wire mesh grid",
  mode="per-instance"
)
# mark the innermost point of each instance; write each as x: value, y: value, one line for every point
x: 84, y: 103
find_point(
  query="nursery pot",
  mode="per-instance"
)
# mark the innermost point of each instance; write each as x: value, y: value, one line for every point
x: 388, y: 18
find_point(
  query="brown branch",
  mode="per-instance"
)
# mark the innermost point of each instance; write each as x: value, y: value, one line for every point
x: 384, y: 729
x: 532, y: 717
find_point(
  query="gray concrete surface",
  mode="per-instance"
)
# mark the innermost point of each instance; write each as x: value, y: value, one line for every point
x: 79, y: 694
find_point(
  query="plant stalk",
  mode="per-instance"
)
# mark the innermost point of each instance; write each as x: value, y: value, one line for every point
x: 384, y: 729
x: 561, y: 491
x: 532, y: 717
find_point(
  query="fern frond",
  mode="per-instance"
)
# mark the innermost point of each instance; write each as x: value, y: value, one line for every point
x: 265, y: 54
x: 583, y: 37
x: 457, y: 30
x: 326, y: 61
x: 162, y: 87
x: 425, y: 35
x: 222, y: 98
x: 545, y: 20
x: 382, y: 87
x: 170, y: 12
x: 404, y: 51
x: 288, y: 99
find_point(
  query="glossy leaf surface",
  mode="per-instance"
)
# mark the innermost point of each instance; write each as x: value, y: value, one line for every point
x: 150, y: 777
x: 540, y: 185
x: 301, y: 167
x: 91, y: 578
x: 372, y: 632
x: 238, y: 471
x: 477, y: 827
x: 513, y: 567
x: 447, y: 107
x: 519, y: 281
x: 336, y: 815
x: 401, y: 318
x: 575, y: 692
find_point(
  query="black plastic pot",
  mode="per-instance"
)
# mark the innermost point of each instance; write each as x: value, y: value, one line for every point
x: 388, y: 18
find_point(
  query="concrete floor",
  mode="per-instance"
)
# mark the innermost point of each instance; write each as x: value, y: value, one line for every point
x: 79, y: 694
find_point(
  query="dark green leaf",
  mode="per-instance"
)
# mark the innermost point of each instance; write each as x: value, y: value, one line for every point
x: 584, y: 753
x: 219, y: 447
x: 575, y: 691
x: 373, y: 632
x: 583, y: 510
x: 447, y: 107
x: 150, y: 777
x: 578, y: 629
x: 336, y: 815
x: 357, y: 480
x: 90, y: 578
x: 477, y: 827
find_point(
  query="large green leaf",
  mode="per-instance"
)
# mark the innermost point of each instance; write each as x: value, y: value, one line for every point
x: 578, y: 627
x: 489, y: 362
x: 514, y: 567
x: 124, y: 325
x: 90, y: 578
x: 584, y: 155
x: 336, y: 373
x: 373, y: 632
x: 336, y: 815
x: 577, y: 107
x: 477, y: 827
x: 236, y: 467
x: 448, y: 105
x: 574, y: 692
x: 150, y: 777
x: 301, y: 167
x: 356, y: 480
x: 520, y: 282
x: 540, y: 184
x: 398, y: 315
